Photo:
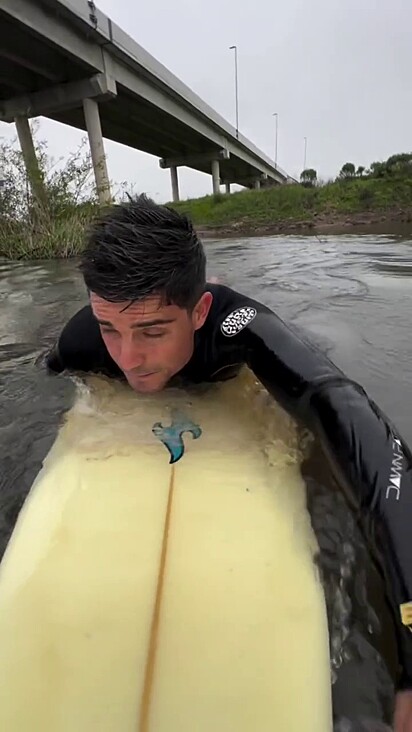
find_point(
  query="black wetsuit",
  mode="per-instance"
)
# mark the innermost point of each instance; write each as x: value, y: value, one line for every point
x: 367, y: 456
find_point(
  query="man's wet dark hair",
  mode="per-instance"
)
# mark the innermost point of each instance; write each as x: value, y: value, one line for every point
x: 139, y: 248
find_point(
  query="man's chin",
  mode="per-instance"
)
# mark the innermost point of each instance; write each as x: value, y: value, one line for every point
x: 147, y: 384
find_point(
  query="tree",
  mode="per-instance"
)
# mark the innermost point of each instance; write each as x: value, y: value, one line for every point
x: 360, y: 171
x: 347, y: 171
x: 399, y: 164
x: 378, y: 169
x: 308, y: 177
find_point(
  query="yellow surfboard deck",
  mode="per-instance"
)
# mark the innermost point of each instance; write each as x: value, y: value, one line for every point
x: 142, y: 595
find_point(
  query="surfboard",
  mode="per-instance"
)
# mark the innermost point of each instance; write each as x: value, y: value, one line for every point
x: 161, y: 574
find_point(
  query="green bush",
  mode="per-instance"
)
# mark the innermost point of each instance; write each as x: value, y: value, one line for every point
x: 51, y: 225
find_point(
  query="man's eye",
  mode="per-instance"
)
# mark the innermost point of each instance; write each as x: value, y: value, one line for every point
x: 108, y: 331
x: 154, y: 334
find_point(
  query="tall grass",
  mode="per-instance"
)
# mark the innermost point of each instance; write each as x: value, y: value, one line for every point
x: 43, y: 236
x: 293, y: 203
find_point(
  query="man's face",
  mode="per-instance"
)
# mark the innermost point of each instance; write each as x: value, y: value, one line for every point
x: 149, y: 341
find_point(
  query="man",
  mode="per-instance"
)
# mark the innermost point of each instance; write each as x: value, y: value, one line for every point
x: 154, y: 320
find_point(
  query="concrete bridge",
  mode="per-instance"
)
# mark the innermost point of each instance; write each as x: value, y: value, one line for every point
x: 65, y: 60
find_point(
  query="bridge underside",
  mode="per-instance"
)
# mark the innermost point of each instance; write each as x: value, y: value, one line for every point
x: 43, y: 63
x: 133, y: 122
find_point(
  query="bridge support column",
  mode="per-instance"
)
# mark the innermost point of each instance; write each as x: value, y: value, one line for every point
x: 257, y: 183
x: 94, y: 131
x: 215, y: 177
x: 30, y: 160
x: 175, y: 183
x: 227, y: 188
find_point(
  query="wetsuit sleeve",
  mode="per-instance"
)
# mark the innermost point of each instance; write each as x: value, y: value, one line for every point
x: 367, y: 455
x: 80, y: 347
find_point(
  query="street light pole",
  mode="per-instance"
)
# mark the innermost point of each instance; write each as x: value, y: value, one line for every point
x: 234, y: 48
x: 276, y: 138
x: 304, y: 154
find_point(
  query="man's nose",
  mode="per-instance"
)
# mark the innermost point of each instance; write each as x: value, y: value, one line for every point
x: 131, y: 356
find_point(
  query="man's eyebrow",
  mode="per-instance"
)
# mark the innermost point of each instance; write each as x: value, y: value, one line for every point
x: 141, y: 324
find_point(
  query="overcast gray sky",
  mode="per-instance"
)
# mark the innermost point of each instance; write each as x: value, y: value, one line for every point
x: 334, y: 72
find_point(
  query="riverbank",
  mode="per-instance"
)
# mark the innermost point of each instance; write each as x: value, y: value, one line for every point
x: 380, y: 222
x: 338, y: 207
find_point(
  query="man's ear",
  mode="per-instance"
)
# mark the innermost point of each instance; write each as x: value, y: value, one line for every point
x: 201, y: 310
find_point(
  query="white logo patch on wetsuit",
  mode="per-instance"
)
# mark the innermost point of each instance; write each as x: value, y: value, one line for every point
x: 237, y: 320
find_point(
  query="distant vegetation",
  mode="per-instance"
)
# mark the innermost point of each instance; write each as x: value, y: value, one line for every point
x: 53, y: 225
x: 395, y: 166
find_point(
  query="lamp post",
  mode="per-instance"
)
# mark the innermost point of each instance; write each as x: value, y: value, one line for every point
x: 275, y: 115
x: 234, y: 48
x: 304, y: 153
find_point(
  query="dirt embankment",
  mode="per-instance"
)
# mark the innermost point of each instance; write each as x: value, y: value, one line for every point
x: 387, y: 222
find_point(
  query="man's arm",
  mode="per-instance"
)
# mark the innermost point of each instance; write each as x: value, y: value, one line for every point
x: 367, y: 455
x: 80, y: 347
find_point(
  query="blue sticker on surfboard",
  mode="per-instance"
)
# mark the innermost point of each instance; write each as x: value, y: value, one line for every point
x: 172, y: 437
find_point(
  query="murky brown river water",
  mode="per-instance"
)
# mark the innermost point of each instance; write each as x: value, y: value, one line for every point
x: 352, y: 295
